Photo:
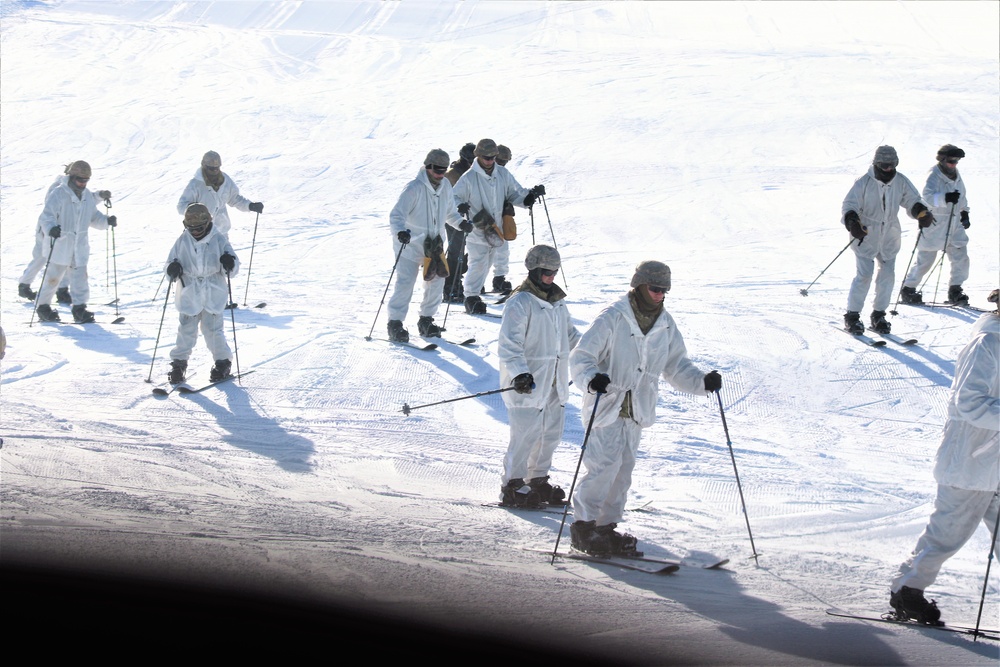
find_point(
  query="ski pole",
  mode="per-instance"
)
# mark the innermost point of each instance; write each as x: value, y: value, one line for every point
x: 739, y: 486
x: 407, y: 408
x: 52, y: 246
x: 114, y: 261
x: 572, y: 486
x: 394, y: 264
x: 250, y: 266
x: 989, y: 561
x: 158, y: 288
x: 908, y: 264
x: 805, y: 292
x: 166, y: 300
x: 944, y: 251
x: 458, y: 272
x: 232, y: 316
x: 531, y: 216
x: 554, y: 244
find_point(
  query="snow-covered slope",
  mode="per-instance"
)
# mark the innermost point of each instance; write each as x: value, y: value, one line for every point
x: 720, y: 138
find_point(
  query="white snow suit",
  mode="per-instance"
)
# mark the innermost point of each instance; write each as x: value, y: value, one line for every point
x: 482, y: 191
x: 536, y: 337
x: 424, y: 211
x: 202, y: 292
x: 40, y: 251
x: 615, y: 345
x: 200, y: 192
x: 74, y: 216
x: 877, y: 204
x: 932, y: 239
x: 967, y: 469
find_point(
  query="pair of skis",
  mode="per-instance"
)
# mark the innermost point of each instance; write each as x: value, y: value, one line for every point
x: 640, y: 562
x: 427, y: 347
x: 881, y: 340
x: 891, y: 617
x: 185, y: 388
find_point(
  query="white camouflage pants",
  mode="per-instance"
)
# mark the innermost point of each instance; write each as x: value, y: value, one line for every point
x: 481, y: 258
x: 407, y: 271
x: 39, y: 255
x: 212, y: 328
x: 56, y: 275
x: 884, y: 283
x: 609, y: 459
x: 534, y: 435
x: 958, y: 257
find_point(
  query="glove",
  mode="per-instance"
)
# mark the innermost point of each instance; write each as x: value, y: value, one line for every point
x: 104, y: 194
x: 175, y: 270
x: 463, y: 208
x: 538, y: 190
x: 952, y: 197
x: 523, y: 383
x: 465, y: 226
x: 713, y: 381
x: 529, y: 199
x: 599, y: 383
x: 228, y: 262
x: 55, y: 232
x: 257, y: 207
x: 112, y: 221
x: 925, y: 219
x: 403, y: 236
x: 965, y: 220
x: 853, y: 223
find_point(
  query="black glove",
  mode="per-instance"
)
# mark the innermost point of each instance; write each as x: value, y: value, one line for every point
x: 465, y: 226
x: 853, y: 223
x: 257, y: 207
x: 523, y: 383
x: 175, y: 270
x: 599, y: 383
x: 538, y: 190
x: 463, y: 208
x: 952, y: 197
x: 112, y: 221
x: 55, y: 232
x: 925, y: 219
x: 529, y: 199
x: 228, y: 262
x: 965, y: 220
x: 403, y: 236
x: 713, y: 381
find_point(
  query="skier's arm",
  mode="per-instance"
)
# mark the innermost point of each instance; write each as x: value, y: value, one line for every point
x: 513, y: 331
x: 678, y: 370
x: 975, y: 399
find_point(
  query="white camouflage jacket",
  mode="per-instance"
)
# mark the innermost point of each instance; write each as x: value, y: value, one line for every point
x: 202, y: 285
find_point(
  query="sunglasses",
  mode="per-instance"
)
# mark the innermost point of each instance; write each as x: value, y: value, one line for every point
x: 489, y: 158
x: 210, y: 168
x: 547, y: 273
x: 436, y: 170
x: 658, y: 290
x: 951, y: 160
x: 885, y: 166
x: 81, y: 179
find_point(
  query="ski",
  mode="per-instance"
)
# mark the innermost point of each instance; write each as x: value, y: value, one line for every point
x: 422, y: 348
x: 638, y: 564
x: 861, y: 337
x: 890, y: 617
x: 958, y: 306
x: 544, y: 507
x: 502, y: 300
x: 166, y: 388
x: 495, y: 316
x: 900, y: 340
x: 464, y: 343
x: 188, y: 390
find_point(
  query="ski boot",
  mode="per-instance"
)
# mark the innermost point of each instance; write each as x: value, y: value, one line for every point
x: 584, y: 537
x: 879, y: 323
x: 910, y: 605
x: 63, y: 297
x: 427, y: 328
x: 25, y: 292
x: 178, y: 370
x: 220, y: 371
x: 518, y: 494
x: 957, y: 296
x: 457, y: 293
x: 852, y: 323
x: 502, y: 285
x: 553, y: 495
x: 397, y: 333
x: 81, y: 315
x: 621, y: 544
x: 911, y: 295
x: 475, y: 306
x: 46, y: 314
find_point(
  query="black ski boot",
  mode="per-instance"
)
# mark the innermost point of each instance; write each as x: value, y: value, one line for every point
x: 178, y: 370
x: 427, y: 328
x: 584, y: 537
x: 63, y: 297
x: 81, y: 315
x: 475, y: 306
x: 502, y: 285
x: 25, y: 292
x: 46, y: 314
x: 220, y: 371
x: 957, y: 296
x: 518, y: 494
x: 621, y: 543
x: 852, y: 322
x: 457, y: 295
x: 911, y: 295
x: 910, y: 604
x: 879, y: 323
x: 397, y: 332
x: 553, y: 495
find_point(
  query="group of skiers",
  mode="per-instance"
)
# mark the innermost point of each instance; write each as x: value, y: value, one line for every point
x: 202, y: 260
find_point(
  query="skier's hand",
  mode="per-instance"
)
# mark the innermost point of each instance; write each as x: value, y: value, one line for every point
x: 538, y: 190
x: 112, y: 221
x: 965, y: 220
x: 529, y: 199
x: 55, y: 232
x: 952, y: 197
x: 854, y: 226
x: 466, y: 227
x: 403, y: 236
x: 257, y: 207
x: 925, y: 219
x: 713, y: 381
x: 599, y: 383
x: 228, y: 262
x: 175, y: 270
x: 523, y: 383
x: 464, y: 208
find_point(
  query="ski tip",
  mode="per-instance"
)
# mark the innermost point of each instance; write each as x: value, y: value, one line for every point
x: 261, y: 304
x: 118, y: 320
x: 160, y: 391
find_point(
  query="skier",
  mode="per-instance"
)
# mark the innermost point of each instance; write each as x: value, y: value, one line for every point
x: 481, y: 193
x: 630, y: 345
x: 536, y: 336
x: 871, y: 215
x: 945, y: 192
x: 418, y: 222
x: 967, y: 470
x: 69, y: 212
x: 456, y: 240
x: 200, y: 260
x: 215, y: 189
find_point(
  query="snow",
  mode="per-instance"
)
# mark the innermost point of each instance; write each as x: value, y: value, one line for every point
x: 720, y: 138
